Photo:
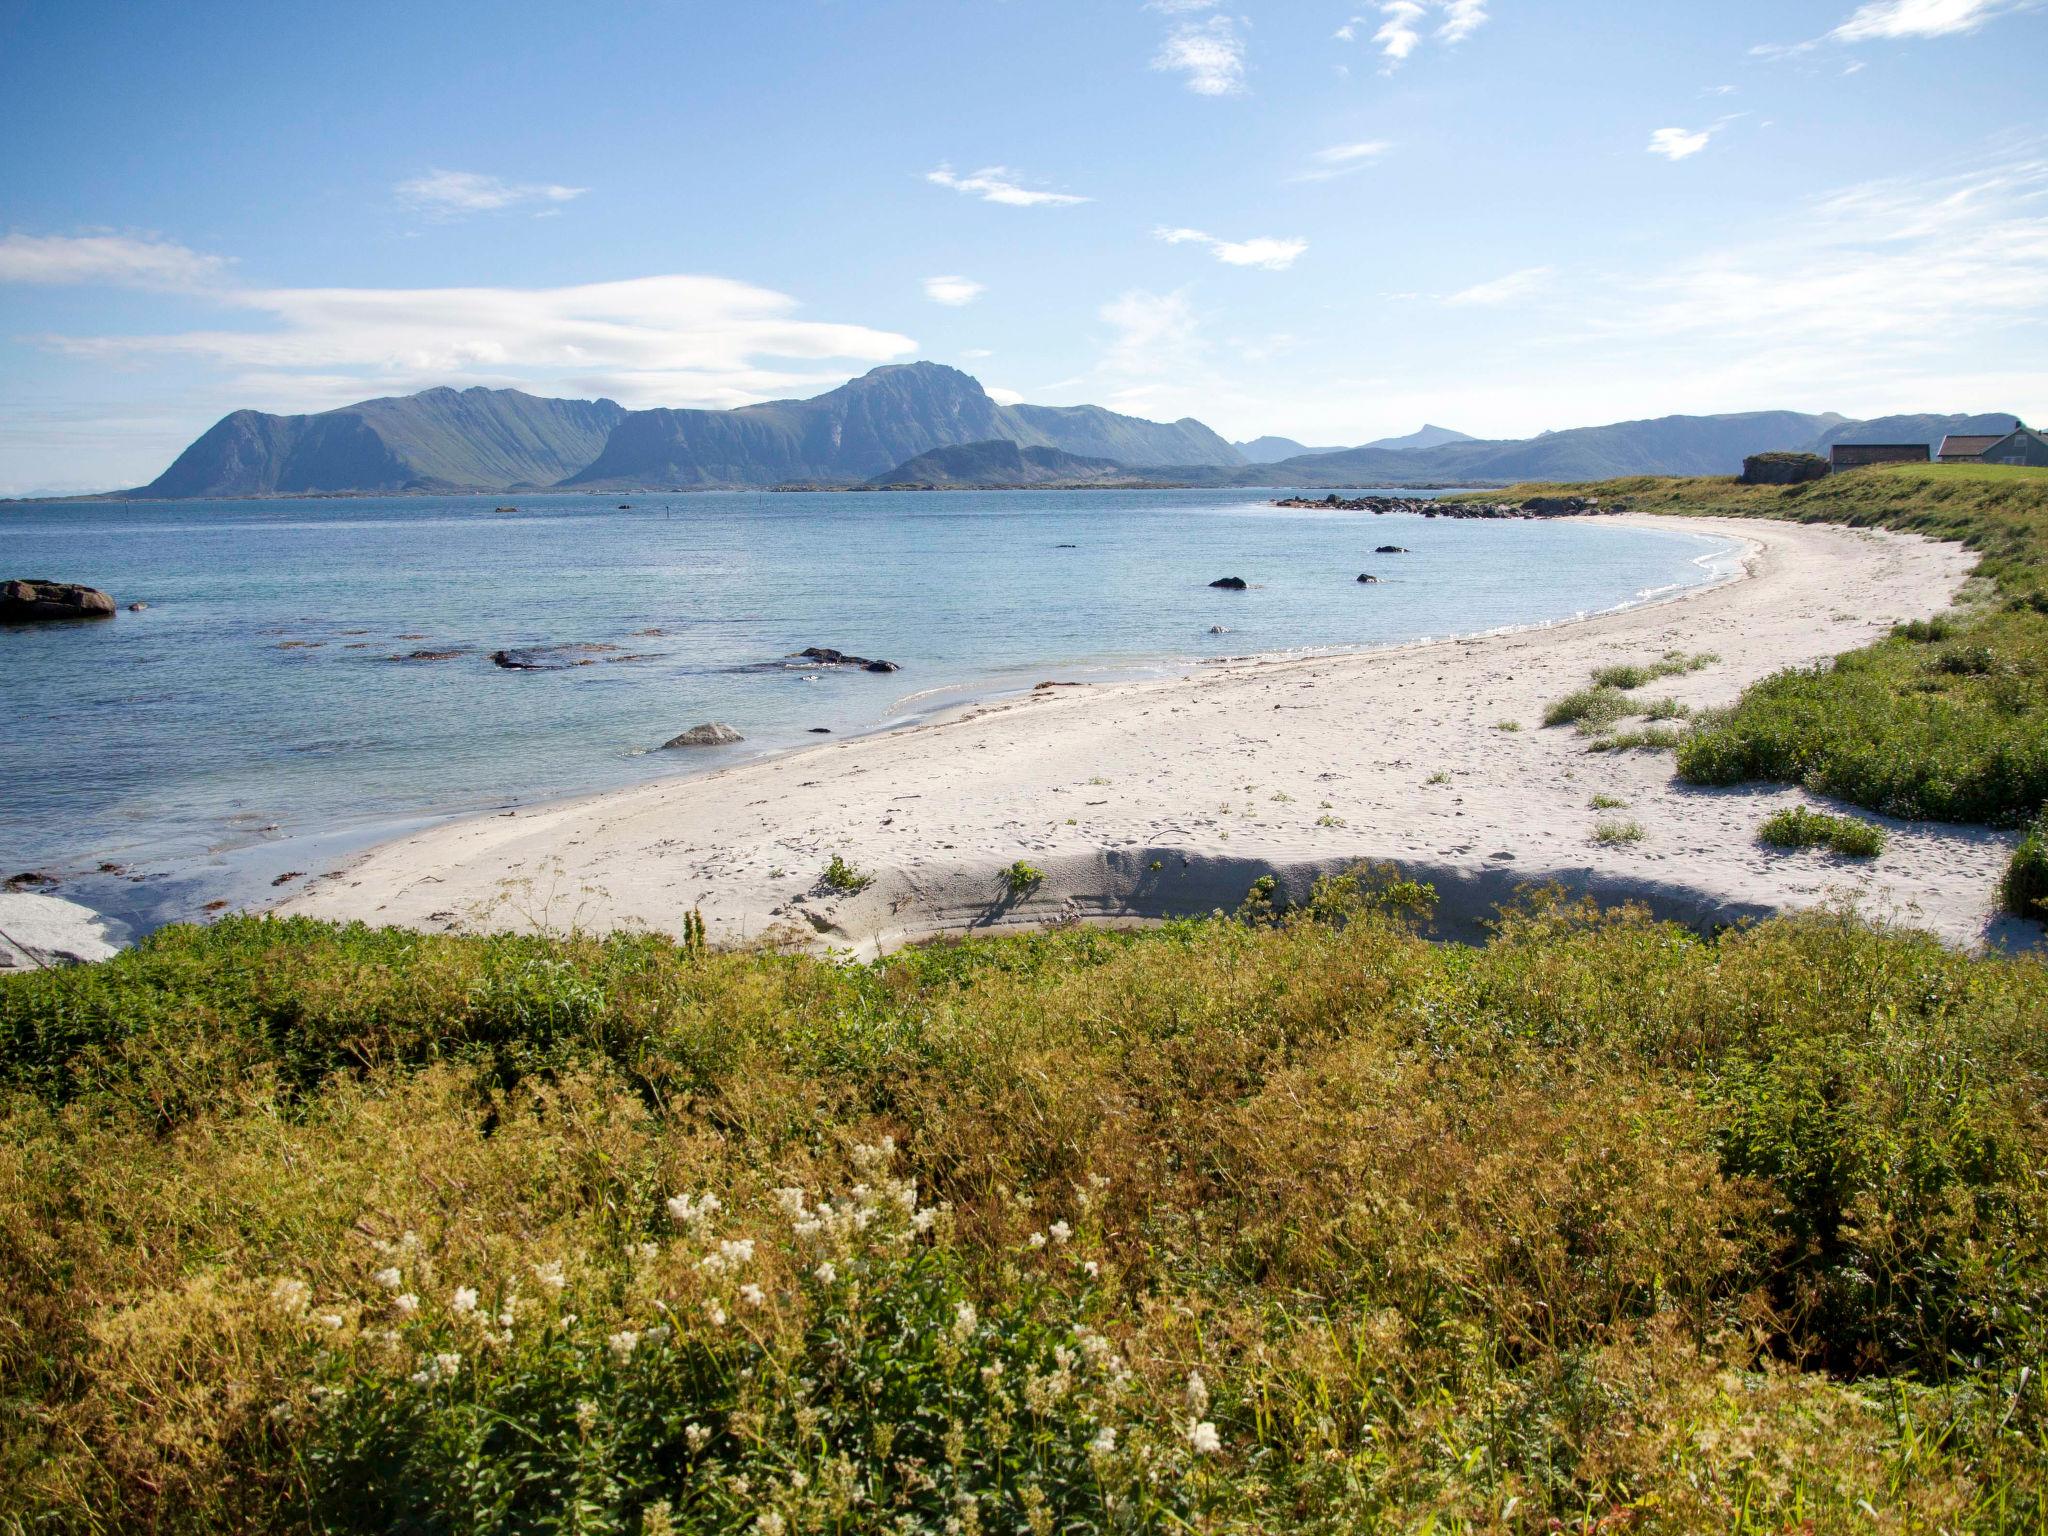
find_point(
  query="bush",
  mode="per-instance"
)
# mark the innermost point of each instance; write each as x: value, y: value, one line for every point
x: 1020, y: 879
x: 843, y: 877
x: 1590, y: 709
x: 2026, y: 877
x: 1617, y: 832
x: 1798, y: 827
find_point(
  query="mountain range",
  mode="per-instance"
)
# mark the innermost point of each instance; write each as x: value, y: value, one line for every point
x: 882, y: 426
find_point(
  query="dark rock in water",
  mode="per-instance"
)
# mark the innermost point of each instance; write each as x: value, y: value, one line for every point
x: 1230, y: 584
x: 137, y: 607
x: 30, y: 880
x: 438, y: 656
x: 39, y: 598
x: 879, y: 666
x: 821, y: 730
x: 288, y: 876
x: 548, y: 658
x: 1368, y: 578
x: 712, y: 734
x: 504, y: 509
x: 1218, y: 629
x: 1066, y: 546
x: 1390, y: 549
x: 825, y: 656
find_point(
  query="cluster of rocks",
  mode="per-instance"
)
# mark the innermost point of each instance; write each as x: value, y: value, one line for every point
x: 38, y: 598
x: 1420, y: 506
x: 825, y: 656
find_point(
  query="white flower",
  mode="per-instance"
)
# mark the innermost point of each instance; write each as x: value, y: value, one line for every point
x: 685, y: 1212
x: 791, y: 1201
x: 921, y: 1221
x: 291, y: 1295
x: 648, y: 1251
x: 1093, y: 1269
x: 586, y: 1415
x: 1103, y: 1443
x: 1061, y: 1231
x: 408, y: 1240
x: 330, y: 1319
x: 964, y: 1321
x: 464, y: 1299
x: 448, y: 1363
x: 826, y: 1273
x: 390, y: 1278
x: 769, y: 1523
x: 623, y: 1343
x: 1198, y: 1394
x: 698, y: 1436
x: 407, y: 1303
x: 1203, y: 1437
x: 714, y: 1312
x: 752, y: 1295
x: 550, y: 1274
x: 1037, y: 1239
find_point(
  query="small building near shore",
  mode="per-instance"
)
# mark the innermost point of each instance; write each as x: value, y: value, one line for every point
x: 1859, y: 455
x: 2023, y: 446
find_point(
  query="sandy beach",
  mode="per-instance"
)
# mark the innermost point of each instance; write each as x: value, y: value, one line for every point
x: 1169, y: 797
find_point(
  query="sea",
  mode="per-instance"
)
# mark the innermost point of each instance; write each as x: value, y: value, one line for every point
x: 259, y: 719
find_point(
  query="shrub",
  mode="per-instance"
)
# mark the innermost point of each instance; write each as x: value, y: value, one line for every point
x: 843, y: 877
x: 1649, y: 738
x: 2026, y: 877
x: 1670, y: 664
x: 1799, y: 827
x: 1616, y: 832
x: 1590, y: 709
x: 1020, y: 879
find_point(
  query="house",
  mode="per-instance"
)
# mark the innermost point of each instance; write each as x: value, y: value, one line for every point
x: 2022, y: 445
x: 1857, y: 455
x: 1959, y: 449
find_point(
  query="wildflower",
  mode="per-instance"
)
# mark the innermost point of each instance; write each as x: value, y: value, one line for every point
x: 291, y: 1295
x: 1198, y: 1394
x: 1037, y: 1239
x: 826, y: 1273
x: 586, y: 1415
x: 1092, y: 1269
x: 685, y: 1212
x: 448, y: 1363
x: 1203, y: 1438
x: 407, y: 1303
x: 390, y: 1278
x: 753, y: 1296
x: 1103, y: 1443
x: 964, y: 1321
x: 280, y: 1414
x: 623, y: 1343
x: 905, y: 1195
x: 714, y: 1312
x: 330, y: 1319
x: 921, y: 1221
x: 1061, y: 1231
x: 698, y: 1435
x: 791, y: 1201
x: 463, y: 1301
x: 648, y: 1252
x: 550, y: 1274
x: 769, y: 1523
x: 737, y: 1251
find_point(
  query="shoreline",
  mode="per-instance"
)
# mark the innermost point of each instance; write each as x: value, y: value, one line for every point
x: 1165, y: 797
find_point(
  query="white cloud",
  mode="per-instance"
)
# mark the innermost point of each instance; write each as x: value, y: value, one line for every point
x: 669, y: 340
x: 1342, y: 159
x: 1679, y: 143
x: 1922, y: 18
x: 1403, y: 24
x: 1265, y: 252
x: 1155, y: 333
x: 1502, y: 290
x: 1002, y: 396
x: 450, y: 194
x: 993, y: 184
x: 953, y: 291
x: 1209, y: 53
x: 117, y: 261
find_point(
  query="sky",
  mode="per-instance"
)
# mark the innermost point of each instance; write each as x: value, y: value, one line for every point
x: 1330, y: 221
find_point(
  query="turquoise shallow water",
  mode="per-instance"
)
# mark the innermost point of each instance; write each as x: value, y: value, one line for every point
x: 251, y: 720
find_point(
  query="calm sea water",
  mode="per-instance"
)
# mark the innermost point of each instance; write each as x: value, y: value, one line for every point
x: 251, y: 721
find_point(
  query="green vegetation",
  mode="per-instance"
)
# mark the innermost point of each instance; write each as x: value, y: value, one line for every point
x: 1021, y: 879
x: 1945, y: 720
x: 1296, y: 1224
x: 1635, y: 674
x: 1648, y: 738
x: 1590, y: 709
x: 1798, y: 827
x: 1507, y: 725
x: 1615, y: 832
x: 1608, y: 803
x: 843, y: 877
x: 2026, y: 878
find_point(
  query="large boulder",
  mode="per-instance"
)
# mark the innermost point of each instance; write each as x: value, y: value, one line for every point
x: 41, y: 931
x: 38, y: 598
x: 711, y: 734
x: 1230, y: 584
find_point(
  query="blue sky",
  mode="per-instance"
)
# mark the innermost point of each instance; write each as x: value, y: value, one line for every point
x: 1327, y: 220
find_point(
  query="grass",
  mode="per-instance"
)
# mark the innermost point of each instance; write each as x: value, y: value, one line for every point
x: 1608, y: 803
x: 1507, y: 725
x: 1944, y: 720
x: 1617, y: 832
x: 1021, y: 879
x: 1298, y: 1223
x: 2026, y: 878
x: 1635, y: 674
x: 1798, y: 827
x: 1648, y: 738
x: 843, y: 877
x: 1590, y: 709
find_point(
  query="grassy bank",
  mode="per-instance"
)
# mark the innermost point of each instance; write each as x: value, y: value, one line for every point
x: 1945, y: 721
x: 1233, y: 1226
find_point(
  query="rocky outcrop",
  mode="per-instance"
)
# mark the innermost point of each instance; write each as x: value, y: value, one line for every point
x: 710, y: 734
x: 825, y: 656
x: 38, y: 599
x: 1230, y: 584
x: 38, y: 931
x: 1422, y: 506
x: 547, y: 658
x: 1368, y: 578
x: 1390, y: 549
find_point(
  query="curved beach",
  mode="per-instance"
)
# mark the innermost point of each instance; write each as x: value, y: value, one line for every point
x: 1167, y: 797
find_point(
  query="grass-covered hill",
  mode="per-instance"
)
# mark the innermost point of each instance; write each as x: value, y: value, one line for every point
x: 1946, y: 721
x: 1240, y: 1225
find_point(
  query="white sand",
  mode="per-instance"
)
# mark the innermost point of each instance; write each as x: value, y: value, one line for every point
x: 1155, y: 798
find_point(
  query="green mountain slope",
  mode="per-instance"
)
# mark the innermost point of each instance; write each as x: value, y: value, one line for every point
x: 1001, y: 463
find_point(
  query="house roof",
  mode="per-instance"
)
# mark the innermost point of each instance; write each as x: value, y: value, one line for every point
x: 1959, y: 443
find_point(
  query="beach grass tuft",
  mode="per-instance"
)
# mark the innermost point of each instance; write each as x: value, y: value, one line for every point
x: 1616, y: 832
x: 1797, y: 826
x: 843, y: 877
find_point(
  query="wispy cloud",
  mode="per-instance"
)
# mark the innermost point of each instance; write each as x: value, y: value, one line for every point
x: 1502, y: 290
x: 118, y: 261
x: 1889, y: 20
x: 1342, y: 160
x: 451, y: 194
x: 674, y: 339
x: 953, y: 291
x: 1210, y: 54
x: 1679, y: 143
x: 994, y: 184
x: 1152, y: 334
x: 1403, y: 25
x: 1266, y: 252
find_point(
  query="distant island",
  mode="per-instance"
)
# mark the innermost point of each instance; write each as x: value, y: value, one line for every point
x: 925, y: 425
